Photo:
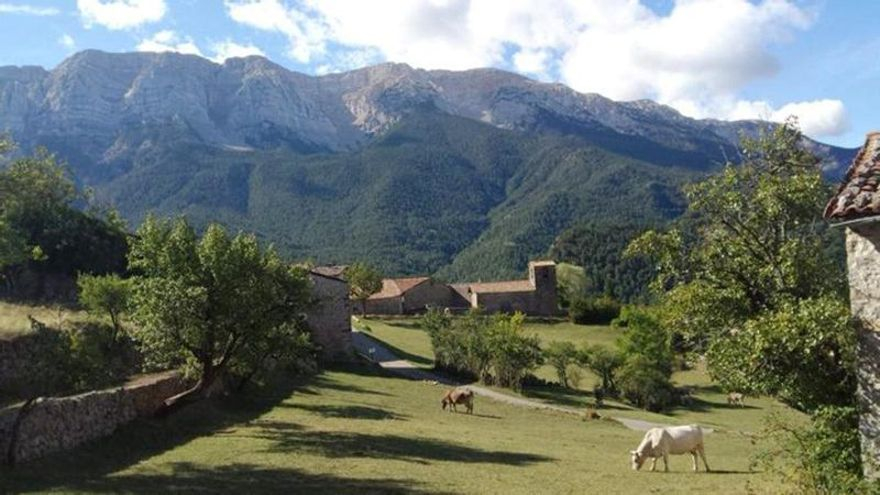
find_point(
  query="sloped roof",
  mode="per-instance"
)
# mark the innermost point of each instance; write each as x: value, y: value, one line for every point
x: 859, y: 194
x: 396, y: 287
x: 499, y: 287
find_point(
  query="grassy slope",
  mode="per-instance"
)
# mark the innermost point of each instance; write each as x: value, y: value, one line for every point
x: 357, y: 430
x: 14, y: 317
x: 709, y: 407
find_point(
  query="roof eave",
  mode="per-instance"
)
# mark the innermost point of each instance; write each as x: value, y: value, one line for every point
x: 856, y: 221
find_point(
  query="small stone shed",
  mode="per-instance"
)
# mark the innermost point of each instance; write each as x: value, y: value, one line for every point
x: 329, y: 320
x: 856, y: 207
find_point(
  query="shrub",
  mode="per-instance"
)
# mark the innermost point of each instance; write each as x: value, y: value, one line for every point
x: 561, y: 355
x: 822, y: 457
x: 513, y: 355
x: 107, y: 294
x: 593, y: 311
x: 644, y: 385
x: 648, y: 361
x: 490, y: 349
x: 604, y: 362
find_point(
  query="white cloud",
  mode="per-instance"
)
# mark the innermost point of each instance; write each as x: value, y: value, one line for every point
x: 698, y: 57
x: 120, y: 14
x: 230, y: 49
x: 67, y: 41
x: 12, y: 8
x: 816, y: 118
x: 169, y: 41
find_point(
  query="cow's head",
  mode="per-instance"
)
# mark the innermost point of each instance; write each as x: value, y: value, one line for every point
x: 637, y: 459
x: 443, y: 404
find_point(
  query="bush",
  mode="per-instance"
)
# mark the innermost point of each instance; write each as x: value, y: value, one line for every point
x: 644, y: 385
x: 823, y: 457
x: 604, y: 362
x: 490, y: 349
x: 593, y: 311
x: 643, y: 379
x: 561, y: 355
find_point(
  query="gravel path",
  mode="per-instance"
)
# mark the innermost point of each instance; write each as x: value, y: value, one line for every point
x: 374, y: 350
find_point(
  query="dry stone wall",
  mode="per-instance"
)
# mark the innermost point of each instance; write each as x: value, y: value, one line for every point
x: 61, y: 423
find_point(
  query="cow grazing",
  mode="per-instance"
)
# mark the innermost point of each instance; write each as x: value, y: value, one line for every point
x: 675, y: 440
x: 735, y: 399
x: 458, y: 396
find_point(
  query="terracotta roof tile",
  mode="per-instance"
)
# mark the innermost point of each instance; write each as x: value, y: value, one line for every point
x: 499, y: 287
x: 859, y: 194
x: 395, y: 287
x: 330, y: 271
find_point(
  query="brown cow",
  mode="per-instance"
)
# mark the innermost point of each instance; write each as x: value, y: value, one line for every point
x: 458, y: 396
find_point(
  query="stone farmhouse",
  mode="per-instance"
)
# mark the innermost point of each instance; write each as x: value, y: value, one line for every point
x: 329, y: 320
x: 856, y: 206
x: 535, y: 296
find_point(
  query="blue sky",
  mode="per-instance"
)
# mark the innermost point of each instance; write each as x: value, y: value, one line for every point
x: 707, y: 58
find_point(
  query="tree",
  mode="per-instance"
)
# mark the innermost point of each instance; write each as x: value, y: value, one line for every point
x: 364, y: 281
x: 738, y: 288
x: 571, y: 282
x: 604, y: 362
x: 561, y: 355
x: 207, y: 301
x: 43, y: 229
x: 107, y: 294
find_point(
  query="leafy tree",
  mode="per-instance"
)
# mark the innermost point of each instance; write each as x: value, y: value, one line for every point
x: 210, y: 301
x: 803, y: 352
x: 43, y: 229
x: 593, y: 311
x: 561, y: 355
x: 514, y: 355
x: 822, y: 457
x: 604, y: 362
x: 364, y: 281
x: 107, y: 294
x: 491, y: 349
x: 735, y: 288
x: 571, y: 283
x: 645, y: 385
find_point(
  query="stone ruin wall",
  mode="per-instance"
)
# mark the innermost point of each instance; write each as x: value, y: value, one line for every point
x: 61, y: 423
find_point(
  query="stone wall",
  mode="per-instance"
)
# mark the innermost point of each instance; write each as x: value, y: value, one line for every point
x: 61, y: 423
x: 383, y: 306
x: 430, y: 293
x: 863, y: 266
x: 330, y: 319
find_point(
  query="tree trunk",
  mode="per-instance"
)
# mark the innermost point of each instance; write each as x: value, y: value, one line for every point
x: 16, y: 426
x: 363, y: 308
x: 195, y: 393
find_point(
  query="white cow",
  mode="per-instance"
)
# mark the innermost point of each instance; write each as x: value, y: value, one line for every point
x: 660, y: 442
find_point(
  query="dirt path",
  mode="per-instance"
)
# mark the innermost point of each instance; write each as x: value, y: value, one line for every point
x: 374, y: 350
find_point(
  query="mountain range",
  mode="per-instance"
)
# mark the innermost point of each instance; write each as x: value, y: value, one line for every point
x: 465, y: 174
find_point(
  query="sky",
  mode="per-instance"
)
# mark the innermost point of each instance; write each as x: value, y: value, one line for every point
x: 818, y: 60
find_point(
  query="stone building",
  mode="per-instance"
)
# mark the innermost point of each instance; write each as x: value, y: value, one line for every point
x: 535, y: 296
x: 329, y: 320
x: 408, y: 295
x: 856, y: 206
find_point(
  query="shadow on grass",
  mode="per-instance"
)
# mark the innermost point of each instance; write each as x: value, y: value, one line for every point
x: 402, y: 354
x: 79, y: 469
x: 554, y: 394
x: 412, y: 449
x: 184, y: 477
x: 347, y: 412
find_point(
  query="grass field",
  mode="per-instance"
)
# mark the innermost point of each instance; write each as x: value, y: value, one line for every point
x: 14, y: 317
x: 357, y: 430
x: 709, y: 405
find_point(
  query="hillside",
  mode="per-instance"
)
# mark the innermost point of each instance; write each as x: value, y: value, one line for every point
x: 468, y: 174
